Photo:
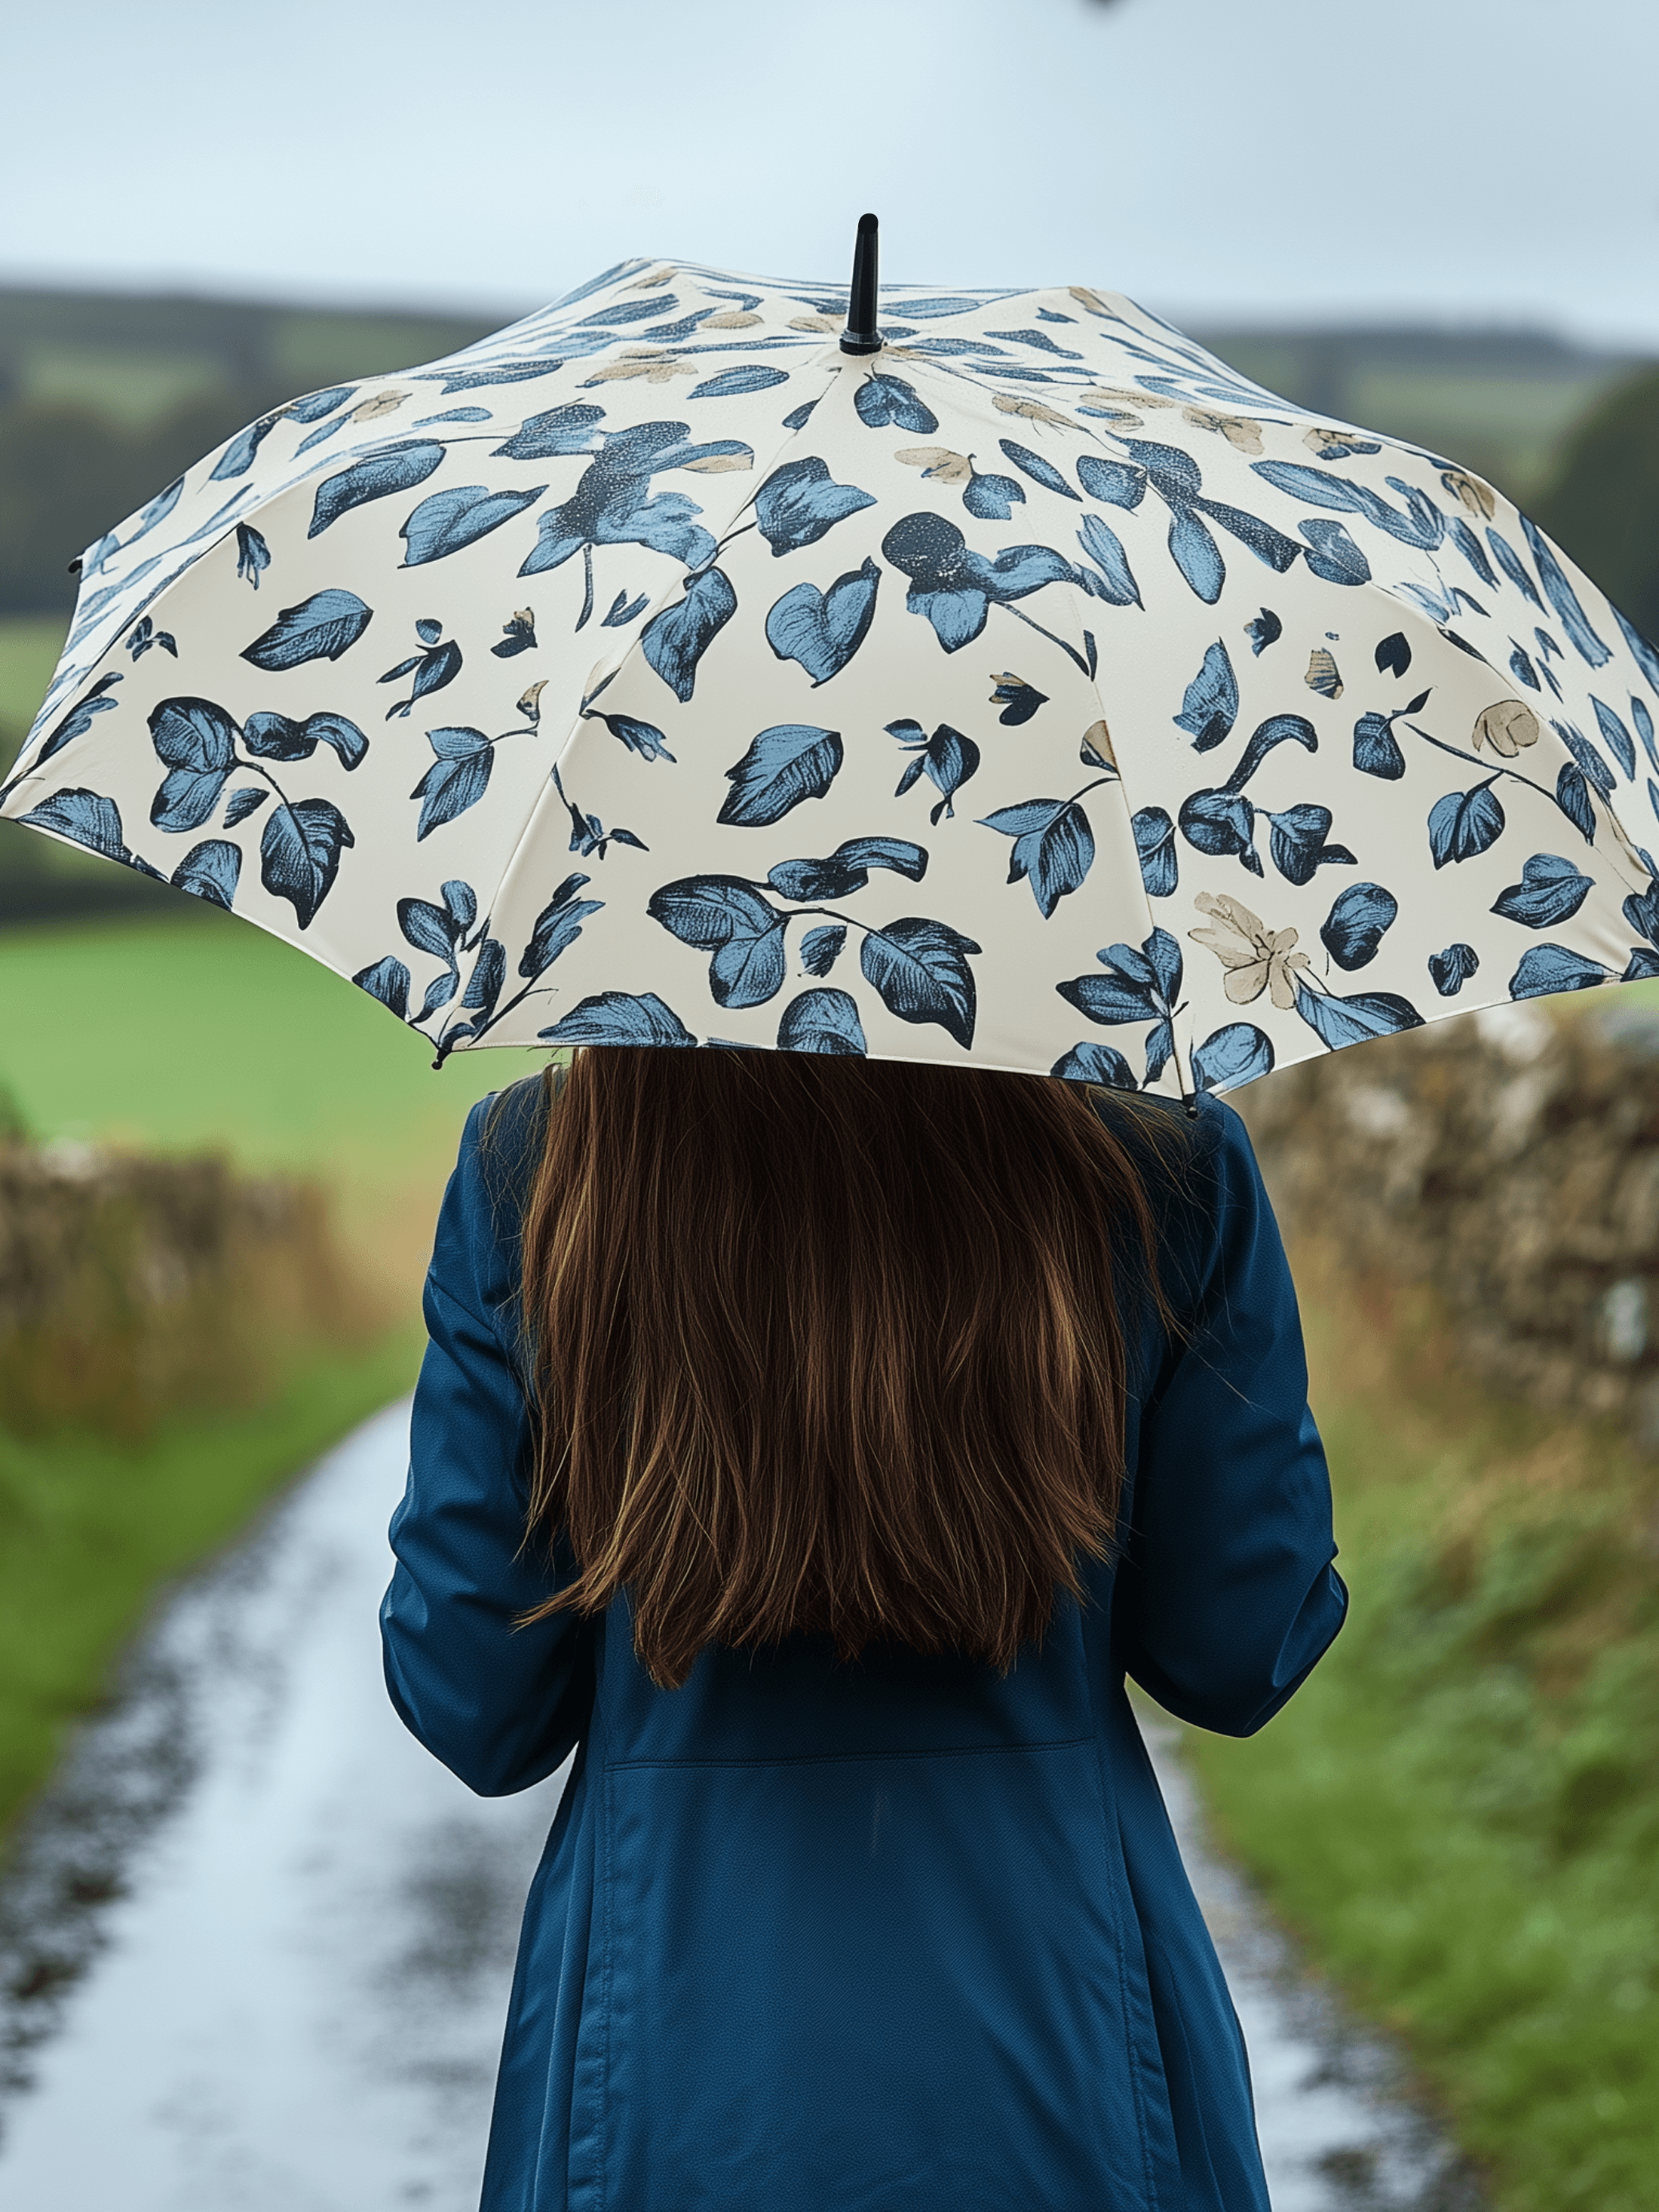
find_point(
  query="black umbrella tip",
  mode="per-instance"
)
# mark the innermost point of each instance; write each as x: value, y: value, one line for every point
x: 861, y: 335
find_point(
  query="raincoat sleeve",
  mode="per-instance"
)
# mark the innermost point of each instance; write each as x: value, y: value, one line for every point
x: 1226, y: 1594
x: 500, y: 1707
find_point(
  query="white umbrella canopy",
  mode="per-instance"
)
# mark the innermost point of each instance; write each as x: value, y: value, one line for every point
x: 1020, y: 689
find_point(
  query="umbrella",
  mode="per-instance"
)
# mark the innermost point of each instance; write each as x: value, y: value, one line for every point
x: 1011, y: 685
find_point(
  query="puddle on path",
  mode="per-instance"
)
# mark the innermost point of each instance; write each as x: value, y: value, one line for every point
x: 255, y: 1945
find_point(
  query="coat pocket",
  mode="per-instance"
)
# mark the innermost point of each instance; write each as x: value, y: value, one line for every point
x: 856, y: 1983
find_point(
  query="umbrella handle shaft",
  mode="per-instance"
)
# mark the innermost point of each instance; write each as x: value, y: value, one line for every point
x: 860, y: 334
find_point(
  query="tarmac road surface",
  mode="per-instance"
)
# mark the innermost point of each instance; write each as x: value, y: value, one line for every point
x: 255, y: 1945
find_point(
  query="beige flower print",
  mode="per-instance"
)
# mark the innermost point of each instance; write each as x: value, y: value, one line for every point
x: 1506, y: 727
x: 1478, y: 499
x: 1257, y: 959
x: 1238, y: 429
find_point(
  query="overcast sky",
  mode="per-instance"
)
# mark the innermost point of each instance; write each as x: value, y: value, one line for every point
x: 1466, y: 161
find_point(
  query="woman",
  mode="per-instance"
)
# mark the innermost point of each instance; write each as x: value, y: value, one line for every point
x: 813, y: 1446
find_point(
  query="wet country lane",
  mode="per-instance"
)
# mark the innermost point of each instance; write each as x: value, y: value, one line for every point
x: 255, y: 1945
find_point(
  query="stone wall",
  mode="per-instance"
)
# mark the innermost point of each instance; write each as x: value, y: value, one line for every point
x: 1510, y: 1159
x: 131, y: 1285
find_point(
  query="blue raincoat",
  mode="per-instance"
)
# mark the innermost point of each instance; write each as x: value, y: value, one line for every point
x: 813, y: 1937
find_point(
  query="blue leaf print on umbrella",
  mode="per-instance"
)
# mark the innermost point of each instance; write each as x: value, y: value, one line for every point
x: 947, y: 759
x: 1464, y: 824
x: 784, y: 765
x: 822, y: 1021
x: 449, y: 520
x: 731, y: 382
x: 623, y: 611
x: 1120, y: 484
x: 919, y: 968
x: 1154, y: 836
x: 1102, y: 1064
x: 195, y: 741
x: 1564, y: 598
x: 1393, y: 655
x: 379, y: 475
x: 820, y: 948
x: 457, y: 778
x: 562, y: 430
x: 1237, y: 1054
x: 1174, y: 477
x: 799, y: 502
x: 320, y: 628
x: 300, y: 853
x: 824, y: 630
x: 1137, y: 986
x: 1054, y: 846
x: 953, y: 586
x: 847, y: 868
x: 1469, y: 546
x: 433, y: 666
x: 1647, y: 660
x: 1546, y: 969
x: 1594, y: 768
x: 85, y: 817
x: 1422, y: 526
x: 1333, y: 556
x: 388, y: 981
x: 1018, y: 700
x: 558, y: 927
x: 619, y: 1018
x: 1643, y: 721
x: 1572, y: 797
x: 1358, y: 920
x: 242, y: 803
x: 317, y: 405
x: 1551, y: 891
x: 988, y: 498
x: 1211, y: 705
x: 252, y: 555
x: 209, y: 871
x: 518, y: 635
x: 675, y: 641
x: 726, y: 916
x: 79, y: 718
x: 883, y: 400
x: 275, y: 737
x: 611, y: 504
x: 1221, y: 822
x: 1039, y: 471
x: 237, y: 457
x: 588, y: 835
x: 1339, y: 1021
x: 644, y: 739
x: 1453, y: 967
x: 1376, y: 749
x: 1114, y: 582
x: 1616, y: 735
x: 1513, y: 567
x: 1297, y: 843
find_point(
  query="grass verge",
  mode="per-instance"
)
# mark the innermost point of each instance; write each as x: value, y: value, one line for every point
x: 90, y: 1526
x: 1460, y: 1812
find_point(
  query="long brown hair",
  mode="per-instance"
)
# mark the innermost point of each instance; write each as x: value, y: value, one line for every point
x: 829, y: 1344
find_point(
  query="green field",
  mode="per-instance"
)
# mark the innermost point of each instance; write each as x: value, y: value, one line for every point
x: 1460, y: 1811
x: 177, y: 1033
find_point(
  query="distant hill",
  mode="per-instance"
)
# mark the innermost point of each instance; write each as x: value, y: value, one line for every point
x: 104, y: 398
